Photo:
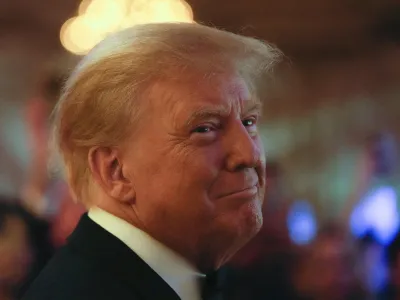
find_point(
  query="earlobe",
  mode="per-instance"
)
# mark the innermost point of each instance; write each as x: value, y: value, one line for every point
x: 129, y: 195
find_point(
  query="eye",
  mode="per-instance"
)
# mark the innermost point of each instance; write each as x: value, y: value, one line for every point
x: 204, y: 129
x: 249, y: 122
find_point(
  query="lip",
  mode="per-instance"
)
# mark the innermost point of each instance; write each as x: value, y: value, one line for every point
x: 245, y: 193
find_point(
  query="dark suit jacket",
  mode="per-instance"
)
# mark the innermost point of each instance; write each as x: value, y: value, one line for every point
x: 95, y: 265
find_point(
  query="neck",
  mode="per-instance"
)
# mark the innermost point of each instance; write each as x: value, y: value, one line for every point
x: 199, y: 261
x: 124, y: 212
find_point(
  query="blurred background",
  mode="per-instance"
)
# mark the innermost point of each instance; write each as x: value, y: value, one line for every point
x: 332, y: 139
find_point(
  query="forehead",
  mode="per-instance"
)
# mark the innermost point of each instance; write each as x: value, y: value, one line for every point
x: 223, y: 91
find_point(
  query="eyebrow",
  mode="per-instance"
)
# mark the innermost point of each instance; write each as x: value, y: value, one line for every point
x: 256, y: 105
x: 218, y: 113
x: 206, y: 113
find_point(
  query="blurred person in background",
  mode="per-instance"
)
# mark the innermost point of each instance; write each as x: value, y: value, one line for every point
x: 374, y: 218
x: 24, y: 248
x: 392, y: 255
x: 375, y: 211
x: 157, y: 129
x: 371, y: 265
x: 325, y: 270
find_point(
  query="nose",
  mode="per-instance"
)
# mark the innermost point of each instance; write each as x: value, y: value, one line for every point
x: 243, y: 150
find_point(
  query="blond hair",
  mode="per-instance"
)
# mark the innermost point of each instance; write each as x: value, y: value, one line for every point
x: 109, y: 84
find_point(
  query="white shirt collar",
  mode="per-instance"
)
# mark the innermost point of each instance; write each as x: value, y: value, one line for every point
x: 176, y: 271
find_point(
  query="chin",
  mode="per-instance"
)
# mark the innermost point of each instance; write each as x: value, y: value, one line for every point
x: 248, y: 224
x: 237, y: 244
x: 251, y: 218
x: 235, y: 230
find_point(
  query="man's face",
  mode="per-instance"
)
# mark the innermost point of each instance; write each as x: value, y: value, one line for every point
x: 197, y: 166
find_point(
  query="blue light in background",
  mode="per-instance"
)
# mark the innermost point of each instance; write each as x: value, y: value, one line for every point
x: 377, y: 213
x: 301, y: 223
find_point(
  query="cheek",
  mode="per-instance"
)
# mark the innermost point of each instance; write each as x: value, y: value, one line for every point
x: 203, y: 168
x: 192, y: 166
x: 260, y: 147
x: 165, y: 173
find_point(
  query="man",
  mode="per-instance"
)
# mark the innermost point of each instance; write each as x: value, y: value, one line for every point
x: 157, y: 129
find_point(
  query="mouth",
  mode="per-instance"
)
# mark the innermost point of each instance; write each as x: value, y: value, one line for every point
x: 248, y: 192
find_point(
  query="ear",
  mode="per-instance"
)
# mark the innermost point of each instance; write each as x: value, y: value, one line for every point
x: 107, y: 171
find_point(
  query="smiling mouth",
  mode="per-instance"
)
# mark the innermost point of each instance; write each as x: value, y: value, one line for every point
x: 247, y: 192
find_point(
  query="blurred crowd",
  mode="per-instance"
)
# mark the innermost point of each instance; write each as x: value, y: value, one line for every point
x: 335, y: 265
x: 35, y: 224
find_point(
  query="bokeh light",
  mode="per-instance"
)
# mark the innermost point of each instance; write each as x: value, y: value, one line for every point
x: 98, y: 18
x: 377, y: 214
x: 301, y: 223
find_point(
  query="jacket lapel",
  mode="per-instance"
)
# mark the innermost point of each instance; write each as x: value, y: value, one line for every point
x: 103, y: 249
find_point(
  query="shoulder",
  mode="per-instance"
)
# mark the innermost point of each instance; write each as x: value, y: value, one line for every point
x: 71, y: 276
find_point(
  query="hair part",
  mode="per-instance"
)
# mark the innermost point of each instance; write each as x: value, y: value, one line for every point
x: 107, y: 92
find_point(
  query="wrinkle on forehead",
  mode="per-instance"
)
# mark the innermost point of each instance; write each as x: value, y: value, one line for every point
x: 222, y: 92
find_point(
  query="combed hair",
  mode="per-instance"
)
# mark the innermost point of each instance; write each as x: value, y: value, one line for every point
x: 101, y: 101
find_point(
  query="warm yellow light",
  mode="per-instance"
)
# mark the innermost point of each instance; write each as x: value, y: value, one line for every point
x: 78, y: 36
x: 97, y: 18
x: 65, y: 36
x: 157, y: 11
x: 106, y: 12
x: 105, y: 15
